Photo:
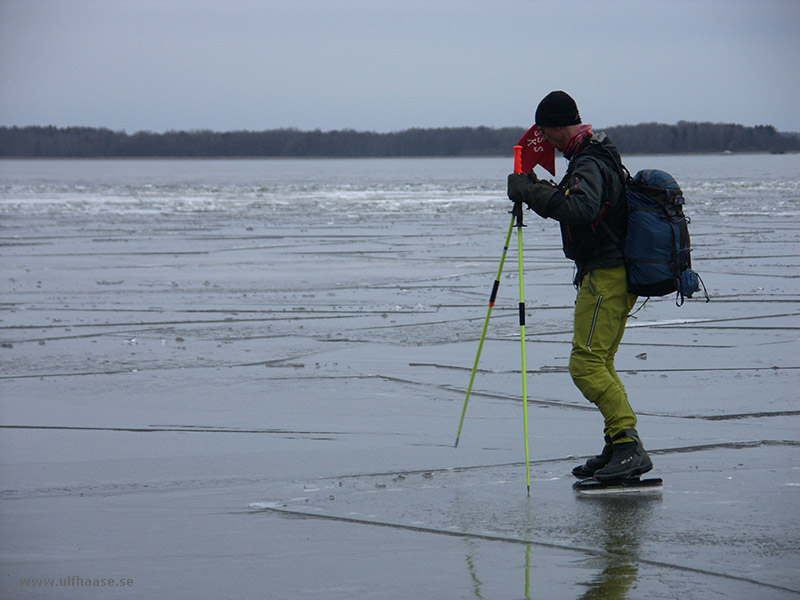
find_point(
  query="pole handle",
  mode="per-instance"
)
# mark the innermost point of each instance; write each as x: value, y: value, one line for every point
x: 517, y: 210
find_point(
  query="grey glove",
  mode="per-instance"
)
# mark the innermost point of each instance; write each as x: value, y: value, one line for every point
x: 518, y: 187
x: 532, y: 191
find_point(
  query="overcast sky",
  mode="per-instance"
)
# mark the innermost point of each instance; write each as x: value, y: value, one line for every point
x: 388, y: 65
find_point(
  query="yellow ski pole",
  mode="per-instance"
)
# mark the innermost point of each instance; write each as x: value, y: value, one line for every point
x: 516, y: 218
x: 518, y: 214
x: 485, y: 326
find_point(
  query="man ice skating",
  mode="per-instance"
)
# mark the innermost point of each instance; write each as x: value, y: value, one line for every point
x: 592, y: 189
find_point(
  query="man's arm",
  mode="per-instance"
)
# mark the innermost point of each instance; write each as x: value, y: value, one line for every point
x: 579, y: 203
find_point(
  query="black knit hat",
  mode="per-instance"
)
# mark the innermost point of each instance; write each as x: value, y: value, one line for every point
x: 557, y: 109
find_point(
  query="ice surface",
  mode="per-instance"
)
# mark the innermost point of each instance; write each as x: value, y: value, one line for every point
x: 228, y: 397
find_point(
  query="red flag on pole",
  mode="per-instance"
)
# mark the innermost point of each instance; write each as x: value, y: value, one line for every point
x: 536, y: 150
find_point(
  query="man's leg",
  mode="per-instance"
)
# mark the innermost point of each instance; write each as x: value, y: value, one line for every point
x: 601, y: 312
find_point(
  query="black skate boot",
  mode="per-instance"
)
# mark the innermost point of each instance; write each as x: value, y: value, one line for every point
x: 597, y: 462
x: 628, y: 460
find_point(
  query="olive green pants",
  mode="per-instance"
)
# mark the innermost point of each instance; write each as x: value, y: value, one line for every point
x: 601, y: 312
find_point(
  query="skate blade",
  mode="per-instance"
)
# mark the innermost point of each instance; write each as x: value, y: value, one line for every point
x: 620, y: 486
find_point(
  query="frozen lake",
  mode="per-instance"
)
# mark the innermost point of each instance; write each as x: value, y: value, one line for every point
x: 244, y: 379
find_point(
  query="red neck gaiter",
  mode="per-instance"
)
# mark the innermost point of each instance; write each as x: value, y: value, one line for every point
x: 578, y: 141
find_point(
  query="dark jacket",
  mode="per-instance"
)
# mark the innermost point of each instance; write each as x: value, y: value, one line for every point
x: 591, y: 188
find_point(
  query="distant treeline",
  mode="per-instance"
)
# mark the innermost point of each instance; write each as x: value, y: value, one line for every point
x: 685, y: 137
x: 646, y: 138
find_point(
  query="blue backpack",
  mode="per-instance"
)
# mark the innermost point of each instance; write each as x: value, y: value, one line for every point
x: 657, y: 247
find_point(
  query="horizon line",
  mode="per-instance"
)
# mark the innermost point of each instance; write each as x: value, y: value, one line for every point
x: 377, y: 132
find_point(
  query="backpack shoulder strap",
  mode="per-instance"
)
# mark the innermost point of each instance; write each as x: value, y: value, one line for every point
x: 602, y: 152
x: 614, y: 237
x: 601, y: 149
